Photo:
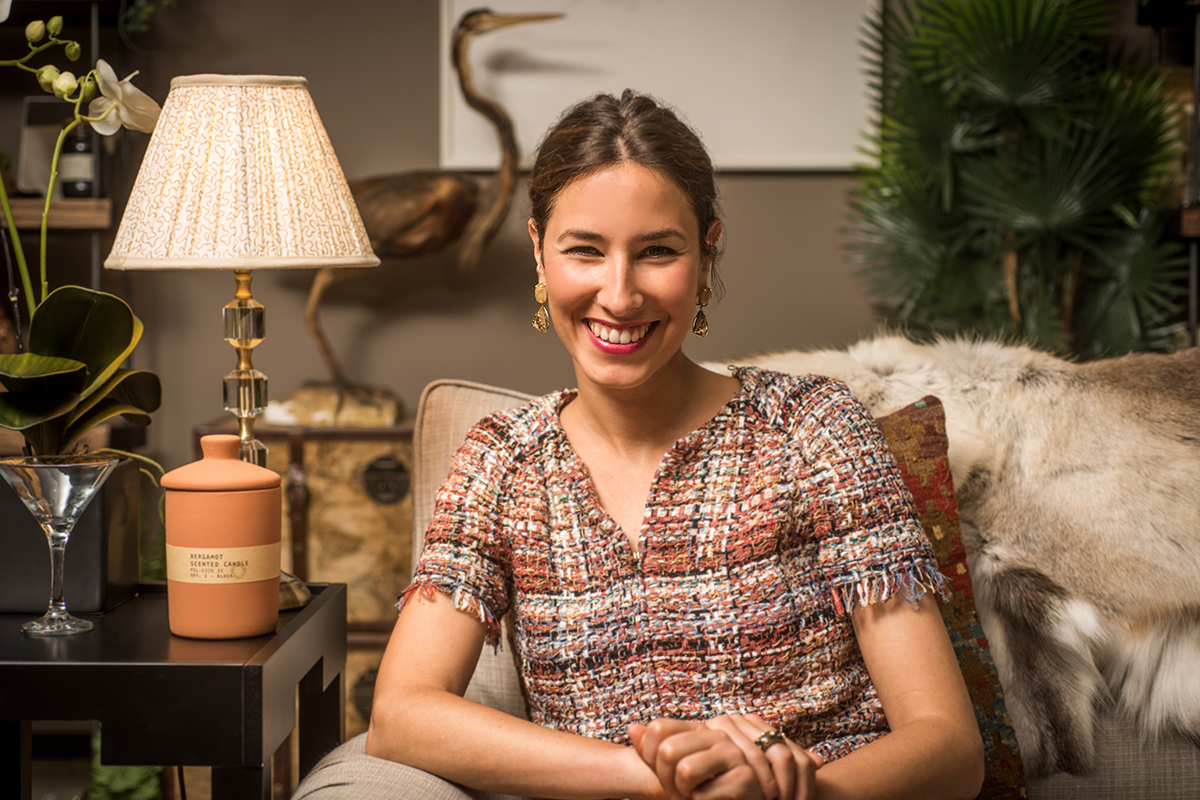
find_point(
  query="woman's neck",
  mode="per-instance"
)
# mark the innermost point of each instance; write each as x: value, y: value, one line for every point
x: 653, y: 416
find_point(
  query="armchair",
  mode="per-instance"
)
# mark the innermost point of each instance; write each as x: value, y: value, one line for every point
x: 1125, y: 770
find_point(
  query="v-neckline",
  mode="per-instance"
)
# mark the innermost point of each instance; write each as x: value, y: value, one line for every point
x: 576, y: 463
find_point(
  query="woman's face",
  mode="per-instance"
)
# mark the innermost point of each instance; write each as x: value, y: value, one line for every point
x: 622, y: 262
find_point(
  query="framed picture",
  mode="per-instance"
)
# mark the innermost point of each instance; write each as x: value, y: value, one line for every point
x: 769, y: 84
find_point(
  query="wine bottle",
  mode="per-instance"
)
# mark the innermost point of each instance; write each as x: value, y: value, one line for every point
x: 77, y: 164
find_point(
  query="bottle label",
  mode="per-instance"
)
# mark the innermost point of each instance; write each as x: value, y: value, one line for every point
x: 77, y: 167
x: 222, y: 564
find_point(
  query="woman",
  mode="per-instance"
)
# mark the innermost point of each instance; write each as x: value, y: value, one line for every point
x: 718, y: 583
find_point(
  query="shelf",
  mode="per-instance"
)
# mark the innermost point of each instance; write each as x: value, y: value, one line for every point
x: 82, y: 213
x: 1189, y: 222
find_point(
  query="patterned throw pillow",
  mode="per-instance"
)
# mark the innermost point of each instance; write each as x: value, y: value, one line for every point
x: 916, y: 435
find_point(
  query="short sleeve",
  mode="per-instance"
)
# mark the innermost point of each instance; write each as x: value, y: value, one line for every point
x: 872, y: 543
x: 465, y: 555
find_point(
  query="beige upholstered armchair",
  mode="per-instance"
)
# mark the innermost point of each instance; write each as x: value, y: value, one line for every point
x: 446, y: 411
x: 1126, y: 768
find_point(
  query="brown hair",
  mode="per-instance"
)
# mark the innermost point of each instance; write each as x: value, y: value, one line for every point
x: 602, y: 132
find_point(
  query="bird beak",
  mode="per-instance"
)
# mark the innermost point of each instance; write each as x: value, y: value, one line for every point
x: 504, y: 20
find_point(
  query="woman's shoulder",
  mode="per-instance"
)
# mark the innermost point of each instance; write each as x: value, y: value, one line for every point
x: 784, y: 399
x: 514, y: 432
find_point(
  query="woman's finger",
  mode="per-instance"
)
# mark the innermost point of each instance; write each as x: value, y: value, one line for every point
x: 773, y: 771
x: 706, y: 763
x: 807, y: 765
x: 649, y: 742
x: 733, y: 784
x: 781, y: 756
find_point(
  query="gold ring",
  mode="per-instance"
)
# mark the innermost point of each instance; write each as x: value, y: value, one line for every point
x: 769, y: 738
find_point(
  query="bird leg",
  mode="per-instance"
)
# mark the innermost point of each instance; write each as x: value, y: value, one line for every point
x: 365, y: 395
x: 321, y: 282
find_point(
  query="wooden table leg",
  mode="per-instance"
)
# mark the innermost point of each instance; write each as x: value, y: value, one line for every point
x: 281, y: 770
x: 322, y: 719
x: 16, y: 758
x: 242, y: 783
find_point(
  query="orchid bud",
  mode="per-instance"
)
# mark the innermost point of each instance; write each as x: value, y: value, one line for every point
x: 35, y: 30
x: 46, y: 76
x: 73, y: 51
x: 87, y: 89
x: 65, y: 85
x: 54, y: 26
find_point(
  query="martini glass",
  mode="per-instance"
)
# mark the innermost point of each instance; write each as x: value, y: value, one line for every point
x: 56, y: 490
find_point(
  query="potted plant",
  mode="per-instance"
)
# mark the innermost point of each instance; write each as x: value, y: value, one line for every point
x: 1019, y: 179
x: 67, y: 376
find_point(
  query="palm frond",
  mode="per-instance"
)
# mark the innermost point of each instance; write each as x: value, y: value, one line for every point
x: 1016, y: 177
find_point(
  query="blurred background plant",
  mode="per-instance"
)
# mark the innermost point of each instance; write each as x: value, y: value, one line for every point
x: 136, y: 15
x: 1020, y: 179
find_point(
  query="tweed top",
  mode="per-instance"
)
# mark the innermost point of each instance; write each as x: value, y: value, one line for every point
x: 762, y: 530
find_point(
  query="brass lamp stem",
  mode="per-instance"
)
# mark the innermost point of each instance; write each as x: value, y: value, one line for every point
x: 243, y: 278
x: 246, y: 387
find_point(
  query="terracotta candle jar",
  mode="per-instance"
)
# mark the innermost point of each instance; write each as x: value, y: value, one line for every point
x: 223, y: 526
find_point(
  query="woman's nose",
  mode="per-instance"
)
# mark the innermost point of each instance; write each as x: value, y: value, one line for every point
x: 620, y: 294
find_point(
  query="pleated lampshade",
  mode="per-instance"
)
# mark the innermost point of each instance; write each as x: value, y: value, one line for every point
x: 240, y: 174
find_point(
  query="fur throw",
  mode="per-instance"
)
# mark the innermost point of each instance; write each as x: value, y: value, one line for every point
x: 1079, y: 497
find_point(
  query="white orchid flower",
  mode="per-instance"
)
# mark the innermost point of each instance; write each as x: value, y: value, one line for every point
x: 5, y: 7
x: 131, y: 107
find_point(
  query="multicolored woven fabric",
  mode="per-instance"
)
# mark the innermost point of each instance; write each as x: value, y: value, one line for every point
x: 916, y: 435
x: 762, y: 530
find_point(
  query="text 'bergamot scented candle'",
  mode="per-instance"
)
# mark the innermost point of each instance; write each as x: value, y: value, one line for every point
x: 223, y: 533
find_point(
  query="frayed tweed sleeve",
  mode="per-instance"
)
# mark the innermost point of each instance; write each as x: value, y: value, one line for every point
x: 872, y: 544
x: 466, y: 555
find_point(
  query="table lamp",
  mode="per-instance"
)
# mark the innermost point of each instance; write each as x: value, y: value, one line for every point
x: 240, y: 175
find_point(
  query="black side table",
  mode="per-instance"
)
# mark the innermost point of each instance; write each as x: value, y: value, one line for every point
x: 162, y: 699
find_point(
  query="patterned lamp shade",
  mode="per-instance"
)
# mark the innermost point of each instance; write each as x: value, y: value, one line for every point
x: 240, y: 175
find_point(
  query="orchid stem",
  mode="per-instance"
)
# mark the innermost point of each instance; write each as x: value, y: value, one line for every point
x: 14, y: 294
x: 62, y: 137
x: 18, y: 250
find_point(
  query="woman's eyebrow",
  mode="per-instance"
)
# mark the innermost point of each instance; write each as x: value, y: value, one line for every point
x: 592, y: 236
x: 577, y: 233
x: 665, y: 233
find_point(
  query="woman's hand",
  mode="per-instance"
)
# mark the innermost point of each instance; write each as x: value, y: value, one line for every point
x: 719, y: 759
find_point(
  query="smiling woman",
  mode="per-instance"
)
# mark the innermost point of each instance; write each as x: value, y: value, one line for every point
x: 712, y: 577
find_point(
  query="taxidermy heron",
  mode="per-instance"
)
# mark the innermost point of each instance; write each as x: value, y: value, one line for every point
x: 418, y: 213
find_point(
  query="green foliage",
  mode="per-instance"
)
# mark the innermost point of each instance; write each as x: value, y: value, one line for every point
x: 122, y: 783
x: 1019, y: 178
x: 71, y: 379
x: 138, y: 14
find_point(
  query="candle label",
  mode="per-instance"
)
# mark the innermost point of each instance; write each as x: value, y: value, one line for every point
x: 222, y: 564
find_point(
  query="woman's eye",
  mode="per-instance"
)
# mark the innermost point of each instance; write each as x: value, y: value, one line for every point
x: 658, y: 251
x: 583, y: 250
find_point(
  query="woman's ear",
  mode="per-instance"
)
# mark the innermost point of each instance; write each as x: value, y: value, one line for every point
x: 711, y: 239
x: 537, y: 244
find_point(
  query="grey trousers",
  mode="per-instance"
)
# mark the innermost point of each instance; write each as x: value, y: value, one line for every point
x: 348, y: 773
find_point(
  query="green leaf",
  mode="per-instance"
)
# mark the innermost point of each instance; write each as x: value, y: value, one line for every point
x: 132, y: 394
x: 20, y: 411
x: 102, y: 412
x: 139, y: 388
x: 96, y: 328
x: 38, y: 373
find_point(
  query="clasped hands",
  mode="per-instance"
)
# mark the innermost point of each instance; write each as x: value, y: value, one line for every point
x: 717, y: 759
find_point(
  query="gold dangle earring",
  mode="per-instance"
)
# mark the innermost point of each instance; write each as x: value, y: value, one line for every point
x: 700, y: 322
x: 541, y: 320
